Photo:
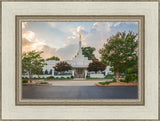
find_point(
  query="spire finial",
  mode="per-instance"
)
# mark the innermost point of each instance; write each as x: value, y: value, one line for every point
x: 79, y: 36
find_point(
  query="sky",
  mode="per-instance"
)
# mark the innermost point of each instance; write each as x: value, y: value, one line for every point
x: 61, y: 38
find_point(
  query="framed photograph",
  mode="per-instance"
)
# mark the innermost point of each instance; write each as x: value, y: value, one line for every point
x: 76, y: 71
x: 80, y: 60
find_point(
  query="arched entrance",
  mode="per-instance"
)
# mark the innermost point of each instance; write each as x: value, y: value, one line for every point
x: 79, y: 73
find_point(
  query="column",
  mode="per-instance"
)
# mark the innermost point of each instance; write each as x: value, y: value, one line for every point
x: 86, y: 73
x: 73, y: 73
x: 53, y: 72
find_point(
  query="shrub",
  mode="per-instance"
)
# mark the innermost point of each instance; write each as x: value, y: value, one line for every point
x: 43, y: 82
x: 72, y: 77
x: 109, y: 76
x: 87, y: 76
x: 46, y: 72
x: 108, y: 82
x: 131, y: 78
x: 68, y: 78
x: 135, y: 77
x: 51, y: 77
x: 62, y: 78
x: 48, y: 78
x: 24, y: 80
x: 114, y: 80
x: 105, y: 83
x: 122, y: 80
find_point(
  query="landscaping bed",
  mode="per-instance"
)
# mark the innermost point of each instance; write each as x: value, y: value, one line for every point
x: 119, y: 84
x: 36, y: 84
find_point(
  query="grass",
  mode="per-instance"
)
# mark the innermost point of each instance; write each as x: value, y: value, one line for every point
x: 43, y: 82
x: 106, y: 82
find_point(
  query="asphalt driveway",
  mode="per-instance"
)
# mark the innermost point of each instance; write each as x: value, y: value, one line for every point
x: 78, y: 92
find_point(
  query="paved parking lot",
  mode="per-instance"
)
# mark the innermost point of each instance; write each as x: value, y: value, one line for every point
x: 78, y: 92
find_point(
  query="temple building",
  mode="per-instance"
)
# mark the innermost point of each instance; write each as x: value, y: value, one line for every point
x: 79, y: 66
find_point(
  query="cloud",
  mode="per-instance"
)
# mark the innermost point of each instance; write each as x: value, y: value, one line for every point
x: 31, y: 42
x: 67, y: 52
x: 116, y: 24
x: 52, y: 24
x: 24, y: 24
x: 74, y: 38
x: 102, y: 26
x: 65, y: 44
x: 131, y: 22
x: 94, y: 37
x: 48, y: 51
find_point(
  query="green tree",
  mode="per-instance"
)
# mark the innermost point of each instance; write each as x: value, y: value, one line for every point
x: 120, y: 52
x: 53, y: 58
x: 50, y: 72
x: 62, y: 67
x: 38, y: 71
x: 88, y: 52
x: 46, y: 72
x: 96, y: 66
x: 32, y: 63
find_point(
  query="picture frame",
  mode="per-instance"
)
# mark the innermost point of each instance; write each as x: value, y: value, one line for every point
x: 139, y: 19
x: 18, y: 104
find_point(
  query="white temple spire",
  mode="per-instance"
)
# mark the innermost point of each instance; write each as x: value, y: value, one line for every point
x: 80, y: 42
x: 80, y: 45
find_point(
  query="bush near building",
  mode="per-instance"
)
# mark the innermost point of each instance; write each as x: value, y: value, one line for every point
x: 50, y: 77
x: 130, y: 78
x: 87, y: 77
x: 109, y: 76
x: 24, y: 80
x: 50, y: 72
x: 72, y: 77
x: 46, y: 72
x: 57, y: 78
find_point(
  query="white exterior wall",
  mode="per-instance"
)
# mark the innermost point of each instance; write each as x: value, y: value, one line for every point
x: 64, y: 76
x: 36, y: 76
x: 45, y: 76
x: 96, y: 75
x: 50, y: 65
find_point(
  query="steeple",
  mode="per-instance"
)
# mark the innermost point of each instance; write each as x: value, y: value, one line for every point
x: 80, y: 42
x: 80, y: 49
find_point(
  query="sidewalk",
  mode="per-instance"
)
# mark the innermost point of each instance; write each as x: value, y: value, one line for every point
x: 74, y: 83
